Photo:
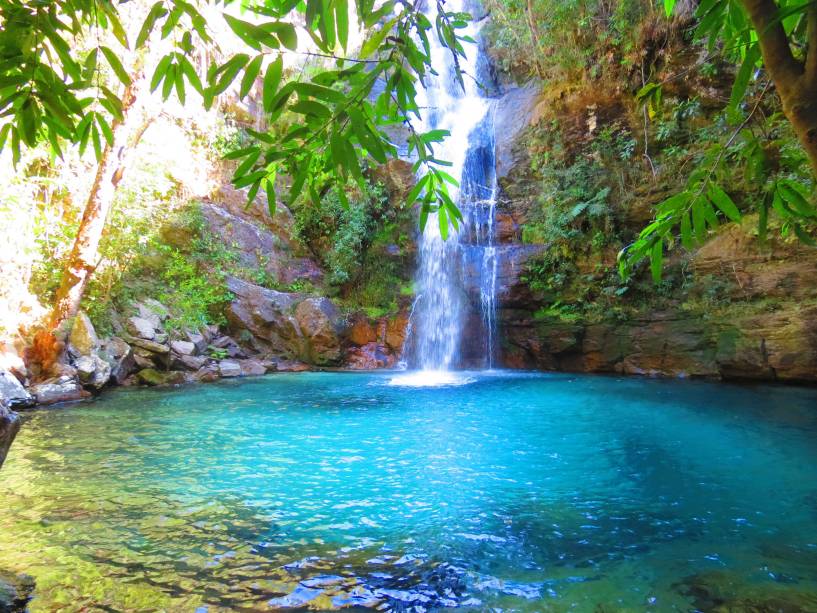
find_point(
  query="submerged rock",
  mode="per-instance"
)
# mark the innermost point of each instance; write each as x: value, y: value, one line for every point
x: 15, y: 591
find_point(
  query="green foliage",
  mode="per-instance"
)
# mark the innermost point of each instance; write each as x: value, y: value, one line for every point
x: 49, y: 88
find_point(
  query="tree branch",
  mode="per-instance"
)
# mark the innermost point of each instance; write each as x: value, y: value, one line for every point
x: 774, y: 44
x: 811, y: 57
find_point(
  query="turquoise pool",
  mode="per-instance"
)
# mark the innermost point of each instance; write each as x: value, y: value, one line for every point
x: 318, y: 491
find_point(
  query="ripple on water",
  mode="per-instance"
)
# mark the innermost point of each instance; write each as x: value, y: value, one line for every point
x: 326, y: 491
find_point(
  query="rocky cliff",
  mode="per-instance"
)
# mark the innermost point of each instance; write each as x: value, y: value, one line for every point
x: 737, y: 309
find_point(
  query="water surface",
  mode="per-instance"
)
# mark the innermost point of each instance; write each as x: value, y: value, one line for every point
x: 515, y: 492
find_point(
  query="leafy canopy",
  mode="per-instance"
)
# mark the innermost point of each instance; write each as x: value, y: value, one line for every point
x: 51, y: 89
x: 784, y: 186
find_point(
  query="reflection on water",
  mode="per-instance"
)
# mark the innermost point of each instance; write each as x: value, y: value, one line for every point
x: 326, y: 491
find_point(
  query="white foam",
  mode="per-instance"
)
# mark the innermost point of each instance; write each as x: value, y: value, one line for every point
x: 431, y: 378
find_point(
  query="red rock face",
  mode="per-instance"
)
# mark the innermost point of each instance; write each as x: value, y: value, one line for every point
x: 370, y: 356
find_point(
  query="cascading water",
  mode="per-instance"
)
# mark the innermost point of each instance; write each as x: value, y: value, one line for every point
x: 457, y: 274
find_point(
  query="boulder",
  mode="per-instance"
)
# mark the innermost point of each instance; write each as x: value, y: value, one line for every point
x: 62, y: 389
x: 12, y: 392
x: 93, y: 371
x: 183, y: 347
x: 208, y: 374
x: 151, y: 346
x: 141, y: 327
x: 188, y: 362
x: 198, y: 340
x: 267, y: 314
x: 229, y: 368
x: 252, y: 368
x: 152, y: 377
x: 83, y: 337
x: 121, y: 358
x: 321, y: 325
x: 9, y: 426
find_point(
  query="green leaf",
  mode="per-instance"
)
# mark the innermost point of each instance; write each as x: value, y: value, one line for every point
x: 722, y: 200
x: 244, y: 31
x: 156, y: 11
x: 698, y: 220
x: 286, y: 34
x: 669, y: 5
x: 342, y: 22
x: 743, y: 77
x: 795, y: 198
x: 657, y: 261
x: 442, y: 219
x: 272, y: 79
x: 803, y: 236
x: 250, y: 75
x: 686, y: 232
x: 160, y: 72
x: 190, y: 72
x: 116, y: 65
x: 311, y: 107
x: 375, y: 40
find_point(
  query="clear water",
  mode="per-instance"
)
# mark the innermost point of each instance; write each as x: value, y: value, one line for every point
x: 512, y: 492
x: 457, y: 275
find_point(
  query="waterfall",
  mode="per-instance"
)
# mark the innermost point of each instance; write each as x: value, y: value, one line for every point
x: 457, y: 275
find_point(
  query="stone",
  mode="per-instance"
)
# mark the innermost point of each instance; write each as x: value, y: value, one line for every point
x: 515, y: 111
x: 16, y: 591
x: 320, y: 323
x: 116, y: 347
x: 143, y: 358
x: 93, y: 371
x: 208, y: 374
x: 362, y: 332
x: 9, y: 427
x: 267, y: 315
x: 260, y: 248
x: 83, y: 336
x: 158, y: 308
x: 198, y: 340
x: 140, y: 327
x: 370, y: 357
x: 63, y: 389
x: 152, y: 377
x: 183, y: 347
x: 188, y: 362
x: 150, y: 346
x: 396, y: 331
x: 12, y: 392
x: 229, y: 368
x: 291, y: 366
x: 252, y: 368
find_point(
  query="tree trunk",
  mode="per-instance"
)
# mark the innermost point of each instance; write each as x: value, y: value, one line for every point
x: 49, y: 341
x: 795, y: 81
